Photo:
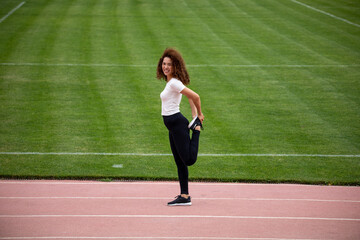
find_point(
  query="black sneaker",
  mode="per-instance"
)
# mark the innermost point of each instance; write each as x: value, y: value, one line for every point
x: 194, y: 123
x: 180, y: 201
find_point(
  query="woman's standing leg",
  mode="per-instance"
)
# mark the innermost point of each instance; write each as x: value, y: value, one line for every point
x: 182, y: 169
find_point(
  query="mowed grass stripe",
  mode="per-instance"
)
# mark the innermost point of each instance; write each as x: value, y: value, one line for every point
x: 49, y: 115
x: 232, y: 41
x: 97, y: 82
x: 99, y: 130
x: 64, y: 82
x: 215, y: 48
x: 143, y: 115
x: 141, y: 32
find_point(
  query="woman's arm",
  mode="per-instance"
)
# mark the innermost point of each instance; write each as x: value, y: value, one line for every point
x: 194, y: 99
x: 193, y: 108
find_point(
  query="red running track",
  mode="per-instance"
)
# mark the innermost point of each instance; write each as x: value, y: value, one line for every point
x: 46, y: 209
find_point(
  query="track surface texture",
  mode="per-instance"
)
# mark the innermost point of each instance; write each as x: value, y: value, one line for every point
x: 45, y: 209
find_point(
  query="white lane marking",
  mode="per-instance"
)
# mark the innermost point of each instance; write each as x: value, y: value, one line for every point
x: 189, y: 65
x: 84, y: 182
x: 326, y: 13
x: 135, y: 182
x: 197, y: 198
x: 178, y: 216
x: 200, y: 154
x: 179, y: 238
x: 11, y: 12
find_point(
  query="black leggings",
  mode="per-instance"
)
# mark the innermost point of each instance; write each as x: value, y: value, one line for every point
x: 184, y: 149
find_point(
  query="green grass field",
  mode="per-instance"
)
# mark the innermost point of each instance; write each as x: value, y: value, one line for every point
x: 274, y: 76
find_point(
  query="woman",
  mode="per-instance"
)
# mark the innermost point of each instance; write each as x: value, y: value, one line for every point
x: 171, y: 68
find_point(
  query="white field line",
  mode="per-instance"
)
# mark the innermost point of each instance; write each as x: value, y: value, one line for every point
x: 200, y: 154
x: 208, y: 199
x: 179, y: 216
x: 326, y: 13
x: 190, y: 65
x: 276, y: 66
x: 11, y: 12
x: 75, y: 65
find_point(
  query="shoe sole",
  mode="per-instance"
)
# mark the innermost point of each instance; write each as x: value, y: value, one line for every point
x: 192, y: 122
x: 180, y: 204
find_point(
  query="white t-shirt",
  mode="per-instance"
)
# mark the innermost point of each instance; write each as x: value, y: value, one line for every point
x: 171, y: 97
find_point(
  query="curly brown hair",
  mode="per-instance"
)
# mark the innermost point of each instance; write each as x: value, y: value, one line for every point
x: 178, y: 65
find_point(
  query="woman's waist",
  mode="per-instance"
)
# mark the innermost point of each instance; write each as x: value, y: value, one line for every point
x: 174, y: 115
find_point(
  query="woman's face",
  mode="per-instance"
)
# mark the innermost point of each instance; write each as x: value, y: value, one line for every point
x: 167, y: 67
